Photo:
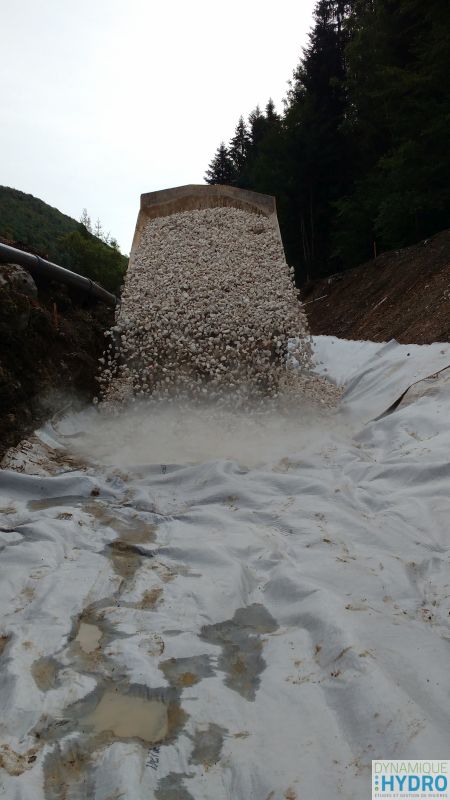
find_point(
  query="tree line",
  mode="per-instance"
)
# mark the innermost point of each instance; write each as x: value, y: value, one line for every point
x: 28, y: 222
x: 359, y: 159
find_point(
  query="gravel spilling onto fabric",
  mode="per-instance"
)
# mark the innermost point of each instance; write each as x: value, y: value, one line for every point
x: 208, y: 309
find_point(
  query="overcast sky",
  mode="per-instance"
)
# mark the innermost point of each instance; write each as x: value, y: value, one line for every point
x: 105, y: 99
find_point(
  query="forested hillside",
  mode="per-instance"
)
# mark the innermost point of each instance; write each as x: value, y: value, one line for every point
x: 31, y: 223
x: 359, y: 160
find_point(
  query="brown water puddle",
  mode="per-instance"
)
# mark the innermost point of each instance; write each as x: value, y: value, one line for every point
x: 119, y: 711
x: 128, y: 717
x: 88, y: 637
x: 126, y: 558
x: 152, y: 716
x: 134, y: 714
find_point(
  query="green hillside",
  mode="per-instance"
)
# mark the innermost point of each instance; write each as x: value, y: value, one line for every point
x: 30, y: 222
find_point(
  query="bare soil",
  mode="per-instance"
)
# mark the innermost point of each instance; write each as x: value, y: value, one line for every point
x: 50, y: 342
x: 402, y: 295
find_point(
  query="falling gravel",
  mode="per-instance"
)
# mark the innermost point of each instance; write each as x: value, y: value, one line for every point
x: 209, y: 310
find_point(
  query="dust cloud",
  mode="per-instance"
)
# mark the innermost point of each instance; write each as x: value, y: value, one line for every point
x: 152, y: 432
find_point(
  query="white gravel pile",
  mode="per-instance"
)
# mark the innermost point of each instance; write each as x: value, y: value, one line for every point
x: 208, y: 308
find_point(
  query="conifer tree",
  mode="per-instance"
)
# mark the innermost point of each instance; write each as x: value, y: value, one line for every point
x: 221, y: 169
x: 257, y: 128
x: 360, y: 153
x: 239, y: 150
x: 271, y: 114
x: 320, y: 163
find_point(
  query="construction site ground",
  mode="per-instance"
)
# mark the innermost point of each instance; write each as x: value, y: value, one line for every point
x: 402, y: 295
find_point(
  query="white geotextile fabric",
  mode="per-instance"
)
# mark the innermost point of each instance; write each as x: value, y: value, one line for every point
x: 331, y: 563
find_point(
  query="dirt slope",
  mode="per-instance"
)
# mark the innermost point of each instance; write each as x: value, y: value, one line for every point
x: 403, y: 295
x: 50, y: 342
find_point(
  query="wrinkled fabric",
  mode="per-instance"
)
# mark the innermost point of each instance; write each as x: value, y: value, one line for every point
x: 291, y: 615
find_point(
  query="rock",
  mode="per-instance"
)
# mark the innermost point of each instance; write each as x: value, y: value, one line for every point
x: 209, y: 303
x: 18, y: 279
x: 15, y: 313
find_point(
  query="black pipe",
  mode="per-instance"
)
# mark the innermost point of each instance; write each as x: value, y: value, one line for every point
x: 39, y: 266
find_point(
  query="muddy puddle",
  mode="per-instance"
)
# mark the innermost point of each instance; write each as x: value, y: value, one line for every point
x: 110, y: 713
x: 128, y: 717
x: 120, y: 711
x: 126, y: 558
x: 88, y: 637
x: 241, y: 642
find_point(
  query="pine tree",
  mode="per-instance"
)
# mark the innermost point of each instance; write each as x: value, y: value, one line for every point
x: 318, y: 150
x: 239, y: 150
x: 361, y: 151
x: 221, y: 168
x: 257, y: 129
x: 271, y: 114
x: 266, y: 167
x: 398, y: 63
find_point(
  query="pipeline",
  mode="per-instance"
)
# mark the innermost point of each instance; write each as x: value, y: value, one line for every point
x: 40, y: 267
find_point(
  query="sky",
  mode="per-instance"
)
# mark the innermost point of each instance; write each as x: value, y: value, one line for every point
x: 103, y: 100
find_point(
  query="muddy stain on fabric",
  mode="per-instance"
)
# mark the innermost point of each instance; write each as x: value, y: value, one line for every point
x: 45, y: 671
x: 54, y: 502
x: 67, y: 773
x: 208, y: 744
x: 3, y: 642
x: 171, y: 787
x: 133, y: 530
x: 16, y: 763
x: 241, y: 643
x: 110, y: 713
x: 151, y: 598
x: 126, y: 558
x: 184, y: 672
